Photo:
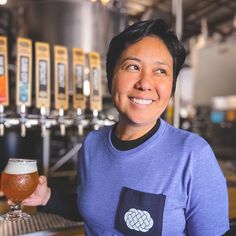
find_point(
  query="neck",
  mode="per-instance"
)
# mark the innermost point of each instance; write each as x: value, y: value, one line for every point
x: 128, y: 132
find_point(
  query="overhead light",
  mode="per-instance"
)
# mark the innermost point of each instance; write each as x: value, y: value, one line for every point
x: 93, y: 0
x: 3, y: 2
x: 104, y: 2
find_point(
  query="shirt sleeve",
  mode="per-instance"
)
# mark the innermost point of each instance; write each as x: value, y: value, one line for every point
x: 63, y: 204
x: 207, y: 205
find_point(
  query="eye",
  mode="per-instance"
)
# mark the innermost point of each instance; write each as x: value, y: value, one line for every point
x: 132, y: 67
x: 161, y: 71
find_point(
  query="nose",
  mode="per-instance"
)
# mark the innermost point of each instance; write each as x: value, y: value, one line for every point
x: 145, y: 81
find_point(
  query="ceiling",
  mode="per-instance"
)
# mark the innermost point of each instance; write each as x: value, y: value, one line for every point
x: 219, y: 14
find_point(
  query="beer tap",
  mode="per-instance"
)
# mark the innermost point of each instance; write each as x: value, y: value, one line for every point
x: 79, y: 98
x: 24, y: 79
x: 42, y: 63
x: 95, y: 88
x: 4, y: 95
x: 61, y: 84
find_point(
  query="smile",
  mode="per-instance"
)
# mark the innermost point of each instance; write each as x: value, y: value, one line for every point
x: 141, y: 101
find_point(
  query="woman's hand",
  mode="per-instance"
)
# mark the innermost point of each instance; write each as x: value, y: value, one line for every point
x: 41, y: 194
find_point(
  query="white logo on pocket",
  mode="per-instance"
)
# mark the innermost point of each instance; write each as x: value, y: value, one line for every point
x: 138, y: 220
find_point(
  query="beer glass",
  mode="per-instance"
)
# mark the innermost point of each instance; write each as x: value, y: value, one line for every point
x: 19, y: 180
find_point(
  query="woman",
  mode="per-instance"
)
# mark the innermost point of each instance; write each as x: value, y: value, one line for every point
x: 142, y: 176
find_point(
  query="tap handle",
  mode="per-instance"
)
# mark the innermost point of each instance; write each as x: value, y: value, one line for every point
x: 1, y: 129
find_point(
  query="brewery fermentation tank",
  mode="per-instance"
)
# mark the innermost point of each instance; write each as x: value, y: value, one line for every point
x: 71, y: 23
x: 84, y: 24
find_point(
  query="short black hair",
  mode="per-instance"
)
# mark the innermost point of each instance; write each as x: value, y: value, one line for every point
x: 138, y: 31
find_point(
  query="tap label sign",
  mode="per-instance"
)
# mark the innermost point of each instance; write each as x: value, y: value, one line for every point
x: 24, y: 71
x: 42, y: 63
x: 79, y: 99
x: 4, y: 94
x: 61, y: 77
x: 95, y: 81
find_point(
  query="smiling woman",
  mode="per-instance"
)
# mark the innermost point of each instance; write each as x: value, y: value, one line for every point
x: 141, y: 86
x: 157, y: 179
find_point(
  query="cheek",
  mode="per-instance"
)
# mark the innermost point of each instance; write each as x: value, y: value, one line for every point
x: 119, y: 84
x: 116, y: 90
x: 165, y: 89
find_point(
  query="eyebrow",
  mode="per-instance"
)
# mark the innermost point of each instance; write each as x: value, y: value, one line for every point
x: 163, y: 63
x: 138, y: 60
x: 130, y: 58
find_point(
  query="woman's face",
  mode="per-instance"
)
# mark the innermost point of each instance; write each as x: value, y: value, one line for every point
x: 142, y: 82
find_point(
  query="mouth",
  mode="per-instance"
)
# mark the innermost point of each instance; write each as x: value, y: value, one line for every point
x: 140, y: 101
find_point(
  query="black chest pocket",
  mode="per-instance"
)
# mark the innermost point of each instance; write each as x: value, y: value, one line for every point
x: 140, y: 213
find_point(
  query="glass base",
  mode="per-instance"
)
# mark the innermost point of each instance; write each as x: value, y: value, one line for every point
x: 15, y: 216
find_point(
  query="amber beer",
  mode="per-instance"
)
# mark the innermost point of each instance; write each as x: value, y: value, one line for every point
x: 19, y: 179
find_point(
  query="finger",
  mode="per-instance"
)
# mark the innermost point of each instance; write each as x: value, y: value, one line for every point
x: 42, y: 179
x: 29, y: 200
x: 31, y: 203
x: 9, y: 202
x: 1, y: 193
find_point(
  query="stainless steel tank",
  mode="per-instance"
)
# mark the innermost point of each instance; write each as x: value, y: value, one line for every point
x: 72, y: 23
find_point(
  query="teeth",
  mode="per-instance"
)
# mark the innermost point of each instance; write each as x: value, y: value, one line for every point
x: 141, y: 101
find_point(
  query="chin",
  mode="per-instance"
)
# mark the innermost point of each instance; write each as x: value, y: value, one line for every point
x: 142, y: 121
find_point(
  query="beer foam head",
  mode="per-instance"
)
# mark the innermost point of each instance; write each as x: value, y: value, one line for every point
x: 20, y: 166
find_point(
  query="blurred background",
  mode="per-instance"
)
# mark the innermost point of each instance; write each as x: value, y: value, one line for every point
x: 205, y: 99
